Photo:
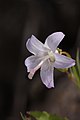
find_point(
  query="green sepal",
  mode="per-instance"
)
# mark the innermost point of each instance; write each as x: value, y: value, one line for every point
x: 63, y: 70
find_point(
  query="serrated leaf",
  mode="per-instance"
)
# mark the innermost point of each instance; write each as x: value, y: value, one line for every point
x: 45, y: 116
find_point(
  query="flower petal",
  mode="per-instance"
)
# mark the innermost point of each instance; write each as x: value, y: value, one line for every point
x: 46, y: 74
x: 62, y: 61
x: 53, y: 40
x: 31, y: 62
x: 35, y: 46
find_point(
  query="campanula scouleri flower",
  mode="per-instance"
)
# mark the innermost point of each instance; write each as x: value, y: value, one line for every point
x: 46, y: 57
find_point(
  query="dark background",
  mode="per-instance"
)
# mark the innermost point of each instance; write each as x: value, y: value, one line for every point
x: 19, y: 19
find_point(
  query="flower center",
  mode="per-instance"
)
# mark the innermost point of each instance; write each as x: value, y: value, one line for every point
x: 51, y: 56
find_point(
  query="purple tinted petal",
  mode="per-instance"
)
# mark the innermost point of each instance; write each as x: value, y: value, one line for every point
x: 46, y: 74
x: 35, y: 46
x: 62, y: 61
x: 53, y: 40
x: 31, y: 62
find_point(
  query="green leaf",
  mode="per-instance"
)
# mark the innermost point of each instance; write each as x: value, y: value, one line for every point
x: 55, y: 117
x: 45, y: 116
x: 40, y: 115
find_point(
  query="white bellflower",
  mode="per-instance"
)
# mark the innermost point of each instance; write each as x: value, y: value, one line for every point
x: 46, y: 57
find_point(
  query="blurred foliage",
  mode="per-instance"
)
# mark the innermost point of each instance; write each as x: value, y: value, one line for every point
x: 75, y: 71
x: 41, y: 116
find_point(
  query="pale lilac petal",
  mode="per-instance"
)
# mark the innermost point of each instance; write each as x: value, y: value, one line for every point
x: 31, y: 62
x: 53, y: 40
x: 46, y: 74
x: 35, y: 46
x: 62, y: 61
